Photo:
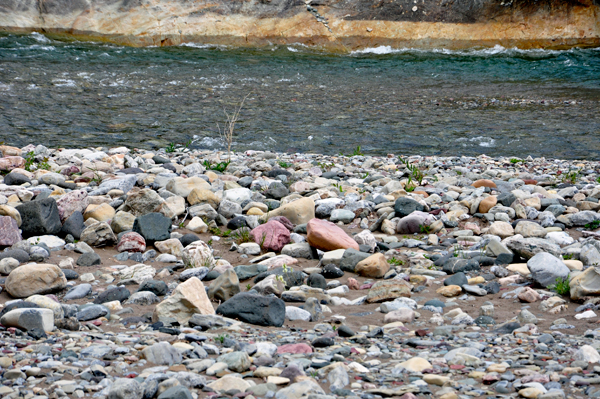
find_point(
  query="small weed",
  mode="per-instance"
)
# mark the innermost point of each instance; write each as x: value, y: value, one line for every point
x: 571, y: 176
x: 414, y: 173
x: 29, y: 161
x: 313, y: 374
x: 562, y: 286
x: 598, y: 179
x: 284, y: 165
x: 209, y: 242
x: 219, y: 233
x: 262, y: 241
x: 334, y: 328
x: 221, y: 338
x: 248, y: 287
x: 365, y: 175
x: 44, y: 164
x: 395, y: 262
x: 219, y: 167
x: 458, y: 251
x: 339, y: 187
x: 516, y: 160
x: 593, y: 225
x: 567, y: 256
x: 170, y: 147
x: 357, y: 152
x: 458, y: 172
x: 181, y: 225
x: 242, y: 236
x: 424, y: 229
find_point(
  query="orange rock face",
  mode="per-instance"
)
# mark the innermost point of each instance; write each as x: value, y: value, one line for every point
x: 326, y: 236
x: 484, y: 183
x: 487, y: 203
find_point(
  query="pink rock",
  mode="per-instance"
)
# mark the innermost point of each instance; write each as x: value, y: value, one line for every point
x: 353, y: 284
x: 528, y: 295
x: 541, y: 378
x: 131, y: 242
x: 365, y: 286
x: 10, y: 163
x: 271, y: 235
x: 284, y: 221
x: 9, y: 231
x: 295, y: 348
x: 326, y: 236
x: 71, y: 170
x: 70, y: 202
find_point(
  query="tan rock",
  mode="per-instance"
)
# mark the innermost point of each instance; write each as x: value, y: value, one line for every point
x: 530, y: 393
x: 501, y: 229
x: 297, y: 212
x: 277, y: 380
x: 183, y: 187
x: 374, y: 266
x: 586, y: 283
x: 225, y: 286
x: 530, y: 229
x: 255, y: 211
x: 102, y: 212
x: 529, y: 295
x: 573, y: 264
x: 203, y: 196
x: 404, y: 315
x: 484, y: 183
x: 122, y: 221
x: 436, y: 379
x: 171, y: 246
x: 325, y: 235
x: 34, y: 278
x: 212, y: 176
x: 487, y: 203
x: 520, y: 268
x: 449, y: 291
x: 533, y: 202
x: 416, y: 364
x: 387, y: 290
x: 197, y: 225
x: 229, y: 382
x: 262, y: 372
x: 187, y: 298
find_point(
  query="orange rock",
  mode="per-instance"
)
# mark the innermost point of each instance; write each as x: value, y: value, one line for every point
x: 484, y: 183
x: 326, y: 236
x: 530, y: 181
x: 423, y: 193
x: 487, y: 203
x: 374, y: 266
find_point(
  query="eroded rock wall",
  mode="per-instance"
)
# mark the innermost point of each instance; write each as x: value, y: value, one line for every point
x: 339, y: 25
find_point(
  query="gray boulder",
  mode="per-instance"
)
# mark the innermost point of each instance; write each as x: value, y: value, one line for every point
x: 546, y: 268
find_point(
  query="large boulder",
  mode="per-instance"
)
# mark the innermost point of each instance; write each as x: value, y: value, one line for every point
x: 34, y: 278
x: 153, y: 227
x: 186, y: 300
x: 39, y: 217
x: 272, y: 236
x: 546, y: 269
x: 326, y: 236
x: 254, y: 309
x: 298, y: 212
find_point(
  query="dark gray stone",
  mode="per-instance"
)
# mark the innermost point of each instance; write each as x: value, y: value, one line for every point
x: 244, y: 272
x: 176, y: 392
x: 345, y: 331
x: 323, y: 342
x: 78, y: 292
x: 455, y: 265
x: 189, y: 238
x: 237, y: 223
x: 459, y: 279
x: 113, y: 294
x: 153, y: 227
x: 89, y: 259
x: 40, y: 217
x: 506, y: 199
x: 504, y: 259
x: 16, y: 179
x: 254, y: 309
x: 18, y: 305
x: 507, y: 328
x: 277, y: 190
x: 404, y: 206
x: 73, y: 225
x: 199, y: 272
x: 317, y: 281
x: 91, y: 312
x: 157, y: 287
x: 436, y: 303
x: 492, y: 287
x: 18, y: 254
x: 351, y: 258
x: 70, y: 274
x: 332, y: 271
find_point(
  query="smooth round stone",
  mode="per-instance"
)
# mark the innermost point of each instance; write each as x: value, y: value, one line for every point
x: 78, y: 292
x: 92, y: 312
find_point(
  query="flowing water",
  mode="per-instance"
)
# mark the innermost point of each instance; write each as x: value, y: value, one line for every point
x: 493, y: 101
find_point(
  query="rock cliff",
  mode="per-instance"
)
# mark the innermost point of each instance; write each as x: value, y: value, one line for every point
x: 338, y: 25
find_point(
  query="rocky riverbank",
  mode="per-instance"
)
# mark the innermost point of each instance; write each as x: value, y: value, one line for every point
x: 331, y: 25
x: 137, y: 274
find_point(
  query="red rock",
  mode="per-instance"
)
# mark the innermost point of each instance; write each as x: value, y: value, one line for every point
x: 365, y: 286
x: 284, y: 221
x: 9, y: 231
x: 71, y: 202
x: 272, y: 235
x: 484, y: 183
x: 530, y: 181
x: 326, y: 236
x: 489, y: 379
x: 295, y: 348
x: 457, y: 366
x: 353, y: 284
x: 131, y: 242
x: 10, y: 163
